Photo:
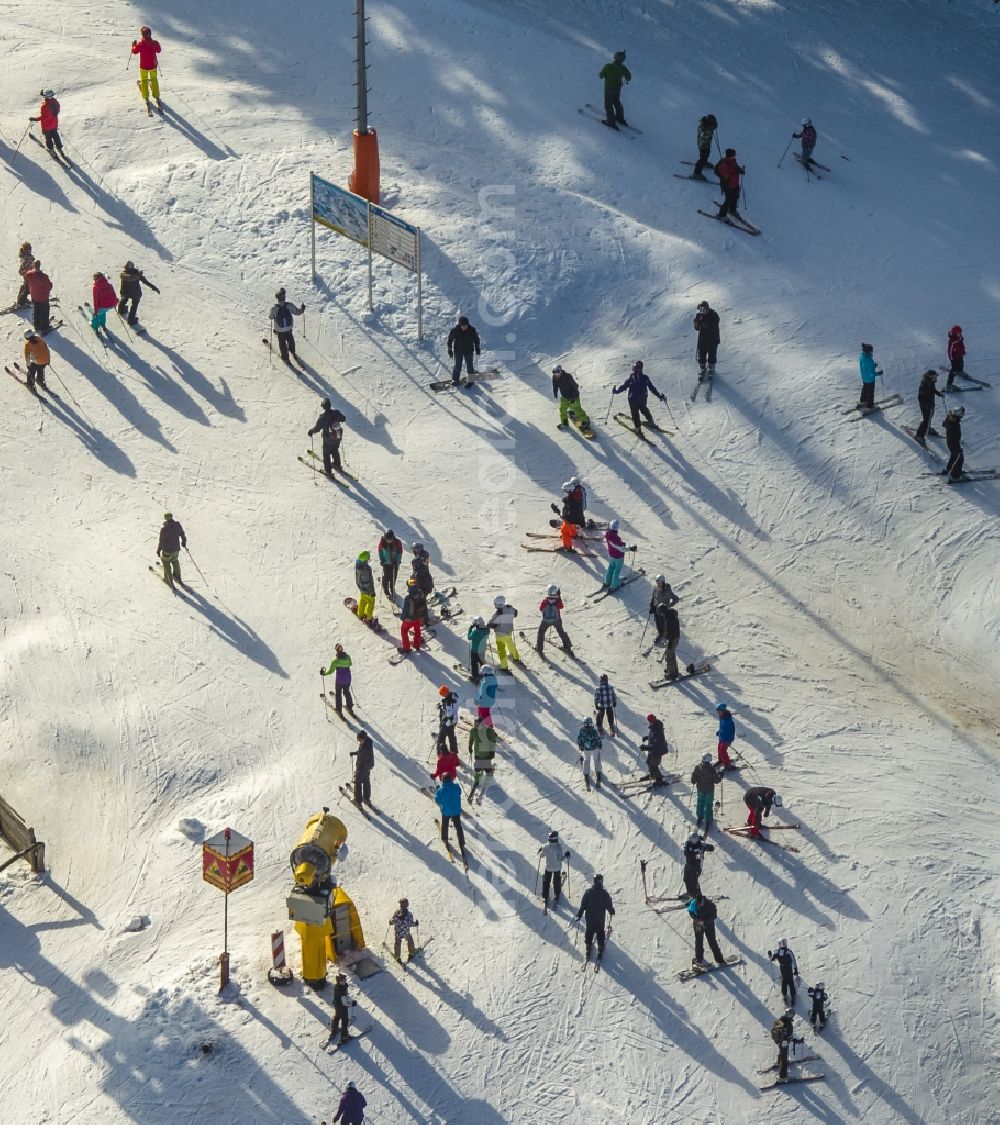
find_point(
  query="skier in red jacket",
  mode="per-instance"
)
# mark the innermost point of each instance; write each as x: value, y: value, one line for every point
x: 956, y: 354
x: 48, y: 116
x: 729, y: 172
x: 104, y: 298
x: 147, y: 48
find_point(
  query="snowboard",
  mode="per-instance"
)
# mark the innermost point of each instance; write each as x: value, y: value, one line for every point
x: 692, y: 670
x: 691, y: 973
x: 352, y: 605
x: 790, y: 1081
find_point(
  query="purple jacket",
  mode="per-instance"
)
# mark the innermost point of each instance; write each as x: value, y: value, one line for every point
x: 615, y: 545
x: 351, y: 1110
x: 341, y: 667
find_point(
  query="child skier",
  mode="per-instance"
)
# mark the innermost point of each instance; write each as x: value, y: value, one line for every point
x: 956, y: 354
x: 726, y: 734
x: 589, y: 744
x: 616, y: 557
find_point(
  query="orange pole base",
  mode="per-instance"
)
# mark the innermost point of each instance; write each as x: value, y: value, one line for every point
x: 364, y: 180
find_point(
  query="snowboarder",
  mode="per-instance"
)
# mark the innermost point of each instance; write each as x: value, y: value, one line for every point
x: 554, y: 856
x: 147, y: 48
x: 551, y: 609
x: 390, y: 555
x: 662, y: 599
x: 132, y: 279
x: 463, y: 341
x: 25, y: 260
x: 808, y: 137
x: 477, y: 636
x: 729, y: 171
x: 502, y: 624
x: 482, y: 751
x: 589, y: 744
x: 168, y: 549
x: 340, y: 669
x: 726, y: 735
x: 614, y: 73
x: 364, y: 763
x: 366, y: 589
x: 48, y: 116
x: 694, y: 856
x: 36, y: 358
x: 420, y: 568
x: 402, y: 922
x: 638, y: 385
x: 869, y: 373
x: 956, y: 354
x: 703, y: 916
x: 953, y: 439
x: 103, y: 299
x: 447, y: 721
x: 605, y: 702
x: 596, y: 904
x: 758, y: 801
x: 654, y: 743
x: 818, y: 1014
x: 704, y: 777
x: 706, y: 132
x: 789, y: 970
x: 351, y: 1110
x: 330, y: 424
x: 565, y: 388
x: 926, y: 394
x: 782, y: 1033
x: 486, y: 694
x: 282, y: 317
x: 449, y: 800
x: 413, y: 613
x: 39, y: 290
x: 706, y: 324
x: 342, y: 1005
x: 616, y: 557
x: 672, y: 636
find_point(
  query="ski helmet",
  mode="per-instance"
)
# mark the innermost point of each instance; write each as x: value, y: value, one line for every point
x: 350, y: 1085
x: 588, y: 721
x: 613, y: 526
x: 598, y: 878
x: 29, y: 333
x: 144, y: 31
x: 280, y: 295
x: 444, y: 689
x: 730, y: 152
x: 782, y: 944
x: 956, y: 330
x: 707, y: 759
x: 567, y: 486
x: 720, y: 707
x: 806, y: 121
x: 650, y: 718
x: 168, y: 515
x: 557, y: 370
x: 364, y: 556
x: 478, y: 622
x: 702, y: 305
x: 867, y: 348
x: 619, y: 56
x: 411, y: 581
x: 820, y: 986
x: 48, y: 93
x: 553, y: 836
x: 574, y: 481
x: 499, y: 601
x: 463, y: 320
x: 660, y: 578
x: 487, y: 670
x: 389, y: 533
x: 695, y: 837
x: 710, y: 119
x: 637, y: 366
x: 777, y: 801
x: 789, y: 1013
x: 930, y: 373
x: 553, y: 591
x: 325, y: 404
x: 417, y: 547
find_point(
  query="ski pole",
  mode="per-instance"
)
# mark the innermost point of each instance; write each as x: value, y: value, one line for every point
x: 608, y: 414
x: 567, y: 876
x: 19, y: 143
x: 129, y: 63
x: 322, y: 694
x: 124, y: 325
x: 787, y: 147
x: 538, y: 869
x: 644, y: 628
x: 312, y: 450
x: 196, y: 566
x: 66, y: 389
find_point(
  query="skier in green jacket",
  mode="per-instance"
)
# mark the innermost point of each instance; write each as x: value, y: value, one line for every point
x: 614, y: 73
x: 482, y: 751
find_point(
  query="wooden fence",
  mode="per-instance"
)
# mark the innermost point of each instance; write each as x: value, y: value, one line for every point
x: 21, y: 838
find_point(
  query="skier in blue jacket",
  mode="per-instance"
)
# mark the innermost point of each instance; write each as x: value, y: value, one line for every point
x: 486, y: 693
x: 869, y: 373
x: 449, y: 800
x: 726, y: 734
x: 638, y: 385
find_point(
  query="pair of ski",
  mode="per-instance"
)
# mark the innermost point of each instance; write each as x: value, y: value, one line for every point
x: 970, y: 379
x: 691, y: 670
x: 629, y: 789
x: 410, y: 958
x: 316, y: 464
x: 744, y: 834
x: 149, y: 104
x: 859, y: 411
x: 157, y: 572
x: 626, y: 421
x: 24, y: 382
x: 349, y: 793
x: 621, y: 127
x: 590, y: 525
x: 562, y: 648
x: 600, y: 952
x: 704, y: 380
x: 560, y: 550
x: 57, y: 154
x: 737, y: 222
x: 328, y: 699
x: 967, y: 476
x: 606, y: 592
x: 332, y: 1050
x: 467, y: 383
x: 546, y: 535
x: 448, y: 847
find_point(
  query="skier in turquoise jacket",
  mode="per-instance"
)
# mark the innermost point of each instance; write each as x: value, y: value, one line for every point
x: 477, y: 636
x: 869, y: 373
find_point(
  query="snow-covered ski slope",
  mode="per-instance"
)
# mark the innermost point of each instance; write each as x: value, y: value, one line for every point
x: 847, y: 602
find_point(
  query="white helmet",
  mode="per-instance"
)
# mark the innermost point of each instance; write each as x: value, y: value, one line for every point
x: 29, y: 333
x: 553, y: 591
x: 806, y: 121
x: 707, y: 759
x: 499, y: 601
x: 487, y: 670
x: 479, y: 622
x: 557, y: 370
x: 782, y: 944
x: 694, y: 838
x: 417, y: 546
x: 777, y: 801
x: 613, y: 526
x: 574, y: 481
x: 660, y: 578
x: 821, y: 986
x: 48, y: 93
x: 567, y: 486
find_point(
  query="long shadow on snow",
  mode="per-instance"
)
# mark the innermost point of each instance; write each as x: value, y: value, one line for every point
x: 121, y: 216
x: 188, y: 131
x: 236, y: 633
x: 103, y: 448
x: 171, y: 393
x: 222, y: 401
x: 861, y: 1073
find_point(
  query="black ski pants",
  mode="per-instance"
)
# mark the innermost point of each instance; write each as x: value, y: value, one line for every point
x: 692, y: 880
x: 40, y: 316
x: 609, y: 713
x: 133, y: 314
x: 635, y: 410
x: 551, y: 879
x: 477, y: 662
x: 706, y: 932
x: 459, y: 831
x: 783, y: 1060
x: 390, y: 572
x: 342, y: 695
x: 706, y: 354
x: 655, y: 776
x: 544, y: 627
x: 867, y: 398
x: 956, y: 462
x: 788, y: 988
x: 613, y: 104
x: 460, y: 358
x: 331, y: 454
x: 926, y: 414
x: 447, y: 737
x: 730, y: 202
x: 338, y: 1025
x: 52, y: 139
x: 703, y: 159
x: 36, y: 371
x: 594, y: 931
x: 818, y: 1015
x: 363, y: 787
x: 286, y: 343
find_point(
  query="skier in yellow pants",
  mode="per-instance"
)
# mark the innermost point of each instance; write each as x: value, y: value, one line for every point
x: 502, y: 624
x: 366, y: 587
x: 147, y: 48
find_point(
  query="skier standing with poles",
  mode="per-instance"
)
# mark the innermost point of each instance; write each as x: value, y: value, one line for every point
x: 703, y: 915
x: 39, y: 290
x: 782, y: 1032
x: 48, y: 118
x: 330, y: 424
x: 869, y: 373
x: 927, y: 392
x: 704, y: 777
x: 502, y: 624
x: 596, y: 904
x: 282, y: 317
x: 554, y: 855
x: 706, y: 324
x: 694, y: 856
x: 605, y: 702
x: 707, y: 126
x: 729, y: 171
x: 168, y: 550
x: 147, y: 48
x: 953, y: 438
x: 638, y: 385
x: 364, y: 763
x: 662, y: 599
x: 788, y: 968
x: 589, y: 743
x: 808, y: 138
x: 340, y: 669
x: 390, y: 555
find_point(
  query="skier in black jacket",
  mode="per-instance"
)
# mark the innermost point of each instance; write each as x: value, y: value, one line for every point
x: 596, y: 904
x: 282, y: 320
x: 132, y: 280
x: 342, y: 1005
x: 463, y: 340
x: 818, y: 1015
x: 662, y: 599
x: 706, y: 324
x: 168, y: 549
x: 703, y: 916
x: 926, y: 394
x: 331, y: 425
x: 655, y: 745
x: 694, y: 855
x: 953, y: 436
x: 789, y: 970
x: 364, y: 763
